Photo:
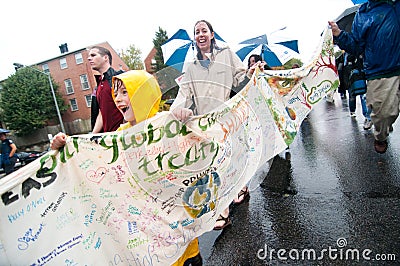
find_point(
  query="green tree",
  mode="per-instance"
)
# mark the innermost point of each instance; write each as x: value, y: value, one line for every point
x: 165, y: 75
x: 160, y: 39
x: 27, y: 102
x: 132, y: 57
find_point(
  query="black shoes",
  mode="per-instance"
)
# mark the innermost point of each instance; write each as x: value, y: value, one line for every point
x: 380, y: 146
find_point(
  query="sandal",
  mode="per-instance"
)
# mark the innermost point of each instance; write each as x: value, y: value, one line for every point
x: 243, y: 193
x: 227, y: 221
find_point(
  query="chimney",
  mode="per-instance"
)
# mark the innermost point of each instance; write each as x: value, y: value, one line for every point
x: 63, y: 48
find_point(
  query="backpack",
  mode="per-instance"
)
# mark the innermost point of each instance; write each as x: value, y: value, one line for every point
x: 357, y: 81
x: 358, y: 84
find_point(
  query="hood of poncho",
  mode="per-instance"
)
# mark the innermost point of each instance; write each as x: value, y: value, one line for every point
x: 144, y: 93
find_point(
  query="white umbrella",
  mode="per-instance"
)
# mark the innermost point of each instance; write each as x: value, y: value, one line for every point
x: 275, y: 54
x: 180, y: 49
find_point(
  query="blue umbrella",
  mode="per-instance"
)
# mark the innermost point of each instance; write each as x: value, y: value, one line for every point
x: 274, y: 54
x: 356, y: 2
x: 2, y: 130
x: 180, y: 49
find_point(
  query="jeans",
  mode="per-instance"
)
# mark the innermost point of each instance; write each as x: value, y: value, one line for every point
x: 9, y: 167
x: 352, y: 105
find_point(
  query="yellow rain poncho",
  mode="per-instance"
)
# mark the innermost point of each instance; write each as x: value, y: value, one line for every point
x: 145, y: 95
x: 144, y: 92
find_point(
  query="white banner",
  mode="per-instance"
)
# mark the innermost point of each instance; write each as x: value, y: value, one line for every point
x: 138, y: 197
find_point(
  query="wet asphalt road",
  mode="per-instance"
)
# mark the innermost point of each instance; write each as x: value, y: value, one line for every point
x: 336, y: 198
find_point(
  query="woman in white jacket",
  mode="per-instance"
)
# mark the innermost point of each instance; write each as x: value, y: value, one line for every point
x: 207, y: 83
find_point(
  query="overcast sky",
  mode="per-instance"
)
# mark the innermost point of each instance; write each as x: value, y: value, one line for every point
x: 31, y: 31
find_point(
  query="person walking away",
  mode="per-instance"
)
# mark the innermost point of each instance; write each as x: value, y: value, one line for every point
x: 346, y: 71
x: 105, y: 117
x: 8, y: 150
x: 208, y: 82
x: 340, y: 65
x: 356, y: 63
x: 376, y: 35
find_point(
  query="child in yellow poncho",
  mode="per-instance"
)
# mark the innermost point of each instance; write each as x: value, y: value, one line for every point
x: 137, y: 95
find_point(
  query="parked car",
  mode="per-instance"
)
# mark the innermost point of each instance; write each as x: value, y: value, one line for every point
x: 26, y: 157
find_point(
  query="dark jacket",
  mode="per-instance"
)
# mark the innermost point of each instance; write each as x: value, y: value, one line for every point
x: 375, y: 34
x: 95, y: 105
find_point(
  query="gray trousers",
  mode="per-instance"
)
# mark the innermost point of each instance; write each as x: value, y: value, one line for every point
x: 383, y: 98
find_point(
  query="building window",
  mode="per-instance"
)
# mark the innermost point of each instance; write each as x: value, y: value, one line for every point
x: 68, y: 86
x: 88, y: 99
x: 63, y: 63
x: 45, y: 68
x: 84, y: 82
x: 74, y: 104
x: 153, y: 64
x: 78, y: 58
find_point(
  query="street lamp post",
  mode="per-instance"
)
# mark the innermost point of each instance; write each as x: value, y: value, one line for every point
x: 17, y: 66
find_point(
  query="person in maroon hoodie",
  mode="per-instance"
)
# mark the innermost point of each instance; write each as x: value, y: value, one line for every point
x: 105, y: 116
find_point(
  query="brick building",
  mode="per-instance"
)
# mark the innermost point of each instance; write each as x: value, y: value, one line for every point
x: 149, y: 61
x: 72, y: 72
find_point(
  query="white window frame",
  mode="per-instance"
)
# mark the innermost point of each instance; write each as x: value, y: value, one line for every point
x: 88, y: 99
x: 69, y: 89
x: 84, y: 82
x: 63, y: 63
x: 45, y: 68
x: 78, y: 58
x: 74, y: 104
